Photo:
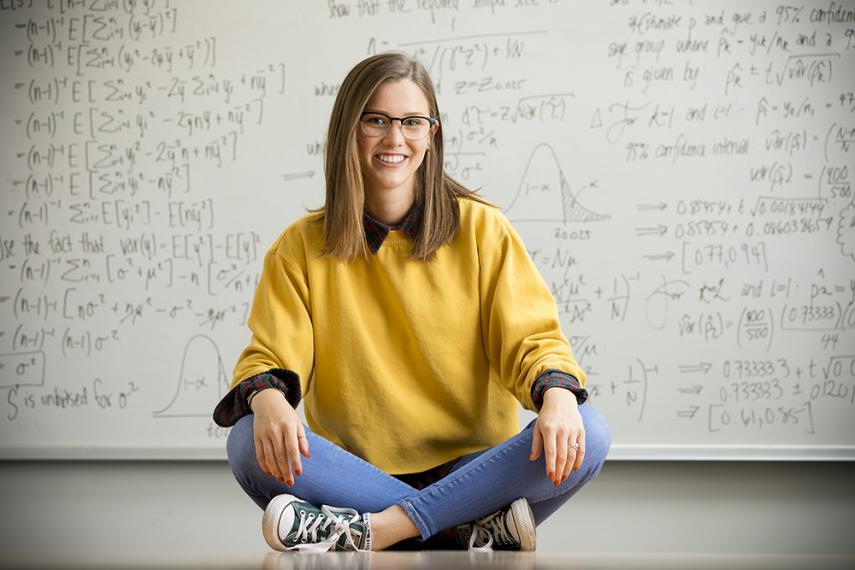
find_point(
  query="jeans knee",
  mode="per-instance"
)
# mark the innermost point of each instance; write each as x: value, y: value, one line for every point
x: 598, y: 438
x: 240, y: 447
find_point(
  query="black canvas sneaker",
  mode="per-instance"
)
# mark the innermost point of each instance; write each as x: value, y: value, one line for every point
x: 509, y: 528
x: 290, y: 523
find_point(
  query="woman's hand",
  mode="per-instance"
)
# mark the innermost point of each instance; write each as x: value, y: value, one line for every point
x: 559, y: 425
x: 279, y: 436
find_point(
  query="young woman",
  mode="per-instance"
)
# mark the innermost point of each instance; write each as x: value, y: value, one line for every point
x: 408, y: 317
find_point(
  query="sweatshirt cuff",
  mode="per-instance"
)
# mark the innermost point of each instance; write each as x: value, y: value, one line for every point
x: 235, y: 404
x: 552, y: 378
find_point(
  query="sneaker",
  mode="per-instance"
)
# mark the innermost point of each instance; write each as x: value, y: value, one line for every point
x: 293, y: 524
x: 509, y: 528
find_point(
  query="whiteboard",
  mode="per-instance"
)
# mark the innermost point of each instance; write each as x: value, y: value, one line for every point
x: 680, y: 172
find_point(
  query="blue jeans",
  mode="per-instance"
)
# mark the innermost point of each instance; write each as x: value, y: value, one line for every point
x: 479, y: 483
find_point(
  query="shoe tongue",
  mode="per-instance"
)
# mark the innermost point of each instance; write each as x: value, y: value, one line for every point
x: 511, y: 524
x: 354, y: 527
x: 356, y: 535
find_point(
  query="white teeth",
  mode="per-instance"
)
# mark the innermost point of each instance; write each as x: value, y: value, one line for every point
x: 393, y: 158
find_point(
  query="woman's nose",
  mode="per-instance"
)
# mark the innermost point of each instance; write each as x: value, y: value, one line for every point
x: 395, y: 134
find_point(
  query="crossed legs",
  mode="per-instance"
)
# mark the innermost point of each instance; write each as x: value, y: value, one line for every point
x: 479, y: 483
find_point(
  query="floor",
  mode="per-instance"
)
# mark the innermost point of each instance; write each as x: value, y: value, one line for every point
x: 450, y: 559
x: 172, y: 514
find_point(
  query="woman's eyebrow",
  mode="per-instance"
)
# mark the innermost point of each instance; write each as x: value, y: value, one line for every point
x: 409, y: 114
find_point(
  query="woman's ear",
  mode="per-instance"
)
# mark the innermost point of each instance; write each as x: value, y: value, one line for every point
x: 433, y: 130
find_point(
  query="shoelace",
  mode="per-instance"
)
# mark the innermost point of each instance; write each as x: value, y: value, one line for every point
x: 311, y: 524
x: 482, y: 529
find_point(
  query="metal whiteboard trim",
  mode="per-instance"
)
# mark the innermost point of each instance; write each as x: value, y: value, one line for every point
x: 618, y: 452
x: 105, y: 453
x: 634, y: 452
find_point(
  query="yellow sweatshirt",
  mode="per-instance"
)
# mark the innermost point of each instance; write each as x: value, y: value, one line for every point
x: 409, y: 364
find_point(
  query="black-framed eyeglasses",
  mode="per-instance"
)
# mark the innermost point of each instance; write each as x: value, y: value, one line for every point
x: 413, y: 127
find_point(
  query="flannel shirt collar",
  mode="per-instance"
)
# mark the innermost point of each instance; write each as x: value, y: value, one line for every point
x: 376, y: 231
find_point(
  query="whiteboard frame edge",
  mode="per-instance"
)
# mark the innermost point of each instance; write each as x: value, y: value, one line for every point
x: 638, y: 452
x: 618, y: 452
x: 103, y: 453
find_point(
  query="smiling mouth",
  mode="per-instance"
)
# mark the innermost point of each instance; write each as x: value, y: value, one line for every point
x: 391, y: 159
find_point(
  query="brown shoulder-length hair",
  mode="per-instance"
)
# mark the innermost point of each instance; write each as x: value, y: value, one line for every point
x: 436, y: 192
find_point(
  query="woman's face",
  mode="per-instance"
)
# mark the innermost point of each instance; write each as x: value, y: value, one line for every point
x: 389, y: 162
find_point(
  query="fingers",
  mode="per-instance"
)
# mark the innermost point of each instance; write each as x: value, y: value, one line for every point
x: 268, y: 457
x: 259, y: 454
x: 282, y: 456
x: 293, y: 452
x: 568, y: 465
x: 304, y: 444
x: 559, y: 457
x: 536, y: 445
x: 580, y: 453
x: 278, y: 448
x: 554, y: 456
x: 574, y: 456
x: 557, y: 475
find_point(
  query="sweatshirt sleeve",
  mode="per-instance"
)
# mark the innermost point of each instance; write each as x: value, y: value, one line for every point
x: 521, y: 331
x: 280, y: 322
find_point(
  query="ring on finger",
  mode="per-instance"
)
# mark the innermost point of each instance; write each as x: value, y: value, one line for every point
x: 573, y: 446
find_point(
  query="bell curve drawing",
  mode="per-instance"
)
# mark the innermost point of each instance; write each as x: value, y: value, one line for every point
x: 201, y: 381
x: 544, y: 190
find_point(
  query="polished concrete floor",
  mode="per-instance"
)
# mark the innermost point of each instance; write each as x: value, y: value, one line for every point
x: 454, y: 559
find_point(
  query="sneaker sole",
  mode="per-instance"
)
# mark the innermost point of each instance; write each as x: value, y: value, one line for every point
x: 270, y: 521
x: 526, y: 526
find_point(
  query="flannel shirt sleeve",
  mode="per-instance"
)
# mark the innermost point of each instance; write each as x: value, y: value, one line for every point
x: 552, y: 378
x: 235, y: 404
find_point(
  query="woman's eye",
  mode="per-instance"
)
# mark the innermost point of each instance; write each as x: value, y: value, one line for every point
x: 412, y: 122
